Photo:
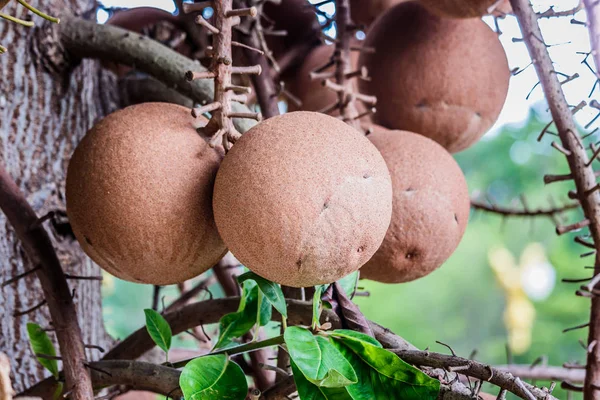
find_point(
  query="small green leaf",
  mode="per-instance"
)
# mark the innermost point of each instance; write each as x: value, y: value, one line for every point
x: 320, y: 362
x: 41, y: 344
x: 271, y: 290
x: 159, y: 329
x: 317, y: 305
x: 382, y: 374
x: 213, y: 377
x: 349, y: 282
x: 309, y: 391
x: 346, y: 333
x: 239, y: 323
x: 265, y: 310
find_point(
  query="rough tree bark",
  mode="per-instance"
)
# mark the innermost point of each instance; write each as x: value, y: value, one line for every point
x: 44, y: 111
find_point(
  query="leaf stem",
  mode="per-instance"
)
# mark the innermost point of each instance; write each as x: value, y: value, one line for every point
x: 38, y: 12
x: 16, y: 20
x: 244, y: 348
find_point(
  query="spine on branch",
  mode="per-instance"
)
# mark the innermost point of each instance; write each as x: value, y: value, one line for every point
x: 220, y: 127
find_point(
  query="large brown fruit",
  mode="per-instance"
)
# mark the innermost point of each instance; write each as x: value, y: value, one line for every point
x: 303, y: 199
x: 430, y: 207
x: 365, y: 12
x: 440, y: 77
x: 297, y: 19
x: 460, y: 8
x: 139, y: 195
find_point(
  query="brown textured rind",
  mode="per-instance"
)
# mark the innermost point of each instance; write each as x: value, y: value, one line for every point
x: 440, y: 77
x: 365, y: 12
x: 139, y: 195
x: 430, y: 207
x: 303, y: 199
x: 459, y: 8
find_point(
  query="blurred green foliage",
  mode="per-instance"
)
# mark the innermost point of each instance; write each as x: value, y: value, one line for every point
x: 461, y: 304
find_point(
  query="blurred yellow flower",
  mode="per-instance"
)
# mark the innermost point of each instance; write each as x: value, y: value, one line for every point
x: 533, y: 278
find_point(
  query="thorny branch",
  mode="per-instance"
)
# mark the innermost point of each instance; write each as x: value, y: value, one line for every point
x: 571, y: 373
x: 346, y: 101
x: 523, y: 212
x: 220, y: 127
x: 343, y: 75
x: 256, y: 52
x: 86, y: 39
x: 577, y: 158
x: 57, y: 294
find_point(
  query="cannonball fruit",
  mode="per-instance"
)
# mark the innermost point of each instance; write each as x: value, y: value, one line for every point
x: 139, y: 195
x: 460, y: 8
x: 430, y: 207
x: 303, y: 199
x: 440, y: 77
x: 365, y: 12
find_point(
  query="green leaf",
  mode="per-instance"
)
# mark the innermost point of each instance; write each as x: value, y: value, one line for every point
x: 213, y: 377
x: 346, y: 333
x: 309, y: 391
x: 239, y: 323
x: 159, y: 329
x: 318, y: 360
x: 41, y: 344
x: 317, y: 305
x: 271, y: 290
x: 383, y: 375
x: 349, y: 282
x: 265, y: 310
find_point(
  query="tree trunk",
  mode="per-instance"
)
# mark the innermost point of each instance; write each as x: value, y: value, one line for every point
x: 43, y: 116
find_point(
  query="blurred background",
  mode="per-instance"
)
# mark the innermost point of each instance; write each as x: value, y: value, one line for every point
x: 465, y: 304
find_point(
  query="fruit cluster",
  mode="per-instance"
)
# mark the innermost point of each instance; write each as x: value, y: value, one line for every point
x: 303, y: 199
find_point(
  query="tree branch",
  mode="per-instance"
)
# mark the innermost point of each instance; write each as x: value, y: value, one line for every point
x: 578, y: 161
x: 266, y: 91
x: 545, y: 373
x: 137, y: 375
x: 513, y: 212
x: 474, y: 369
x: 58, y: 296
x: 85, y: 39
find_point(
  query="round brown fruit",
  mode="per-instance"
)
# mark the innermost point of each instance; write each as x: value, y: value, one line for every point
x: 461, y: 8
x: 440, y: 77
x: 430, y: 207
x: 365, y: 12
x: 297, y: 19
x: 303, y: 199
x: 139, y: 195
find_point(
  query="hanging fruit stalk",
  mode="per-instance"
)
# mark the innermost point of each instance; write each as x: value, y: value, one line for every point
x: 220, y: 127
x: 341, y: 79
